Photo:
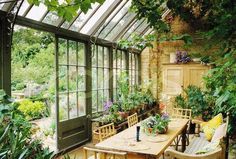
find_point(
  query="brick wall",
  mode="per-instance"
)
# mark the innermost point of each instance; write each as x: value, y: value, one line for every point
x: 153, y: 58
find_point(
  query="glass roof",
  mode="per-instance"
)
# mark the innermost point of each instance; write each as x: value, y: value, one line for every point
x: 111, y: 21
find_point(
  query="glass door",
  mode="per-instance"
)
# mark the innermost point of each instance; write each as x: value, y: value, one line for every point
x: 71, y: 87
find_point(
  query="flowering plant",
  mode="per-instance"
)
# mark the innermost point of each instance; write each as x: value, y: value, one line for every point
x: 182, y: 57
x: 157, y: 124
x: 107, y: 106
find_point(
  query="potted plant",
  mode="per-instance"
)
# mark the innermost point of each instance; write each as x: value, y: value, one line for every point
x: 157, y: 124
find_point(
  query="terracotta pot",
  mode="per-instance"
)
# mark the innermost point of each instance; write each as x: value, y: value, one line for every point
x: 123, y: 115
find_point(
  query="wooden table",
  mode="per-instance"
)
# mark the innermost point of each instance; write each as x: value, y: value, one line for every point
x: 148, y: 146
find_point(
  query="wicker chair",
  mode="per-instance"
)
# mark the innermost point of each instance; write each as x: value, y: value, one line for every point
x: 103, y: 154
x: 106, y: 131
x: 132, y: 119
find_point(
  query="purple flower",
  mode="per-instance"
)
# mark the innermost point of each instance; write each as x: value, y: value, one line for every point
x: 107, y: 105
x: 165, y: 116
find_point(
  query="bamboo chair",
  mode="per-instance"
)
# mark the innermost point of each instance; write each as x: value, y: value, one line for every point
x: 106, y: 131
x: 132, y: 119
x: 179, y: 113
x: 103, y: 154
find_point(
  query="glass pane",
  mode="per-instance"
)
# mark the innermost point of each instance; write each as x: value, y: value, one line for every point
x: 82, y: 18
x: 100, y: 78
x: 51, y: 18
x: 141, y: 28
x: 67, y: 24
x: 100, y: 56
x: 94, y: 56
x: 73, y: 105
x: 72, y: 78
x: 115, y: 20
x: 106, y: 95
x: 63, y: 111
x: 114, y: 78
x: 23, y: 8
x: 94, y: 78
x: 123, y: 60
x: 119, y: 58
x: 114, y: 94
x: 81, y: 52
x: 82, y: 104
x: 120, y: 26
x: 81, y: 78
x: 94, y: 101
x: 96, y: 16
x: 106, y: 57
x: 72, y: 53
x: 114, y: 58
x: 111, y: 16
x: 62, y: 73
x: 36, y: 12
x: 100, y: 100
x: 106, y: 78
x: 131, y: 30
x: 62, y: 51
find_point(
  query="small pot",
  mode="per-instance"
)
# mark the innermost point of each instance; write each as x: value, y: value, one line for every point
x: 123, y: 115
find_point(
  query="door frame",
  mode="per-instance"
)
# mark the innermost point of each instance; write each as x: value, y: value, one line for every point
x: 72, y: 123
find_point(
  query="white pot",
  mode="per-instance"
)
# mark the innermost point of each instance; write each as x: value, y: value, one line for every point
x: 172, y: 57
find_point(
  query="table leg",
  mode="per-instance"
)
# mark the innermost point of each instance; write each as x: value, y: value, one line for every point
x: 184, y: 139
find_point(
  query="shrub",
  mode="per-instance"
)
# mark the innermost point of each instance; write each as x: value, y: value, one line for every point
x: 32, y: 110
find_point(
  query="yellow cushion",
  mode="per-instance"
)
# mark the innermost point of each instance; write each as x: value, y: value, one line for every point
x: 210, y: 126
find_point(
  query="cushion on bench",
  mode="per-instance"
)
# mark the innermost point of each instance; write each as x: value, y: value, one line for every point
x: 196, y: 144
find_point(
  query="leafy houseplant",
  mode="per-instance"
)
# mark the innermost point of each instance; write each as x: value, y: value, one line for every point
x: 157, y: 124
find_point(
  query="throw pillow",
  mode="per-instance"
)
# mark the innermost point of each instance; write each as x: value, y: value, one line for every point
x: 210, y: 126
x: 220, y: 132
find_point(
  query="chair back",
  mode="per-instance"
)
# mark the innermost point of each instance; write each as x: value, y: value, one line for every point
x: 106, y: 131
x: 132, y: 119
x: 104, y: 154
x: 182, y: 113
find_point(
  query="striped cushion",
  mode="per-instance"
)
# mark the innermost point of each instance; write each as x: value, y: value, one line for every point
x: 197, y: 144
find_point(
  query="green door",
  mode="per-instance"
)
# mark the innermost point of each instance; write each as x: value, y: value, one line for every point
x: 72, y: 110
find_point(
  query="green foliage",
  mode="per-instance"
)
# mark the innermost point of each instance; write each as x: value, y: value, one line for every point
x: 15, y: 134
x: 152, y: 11
x: 32, y: 110
x: 196, y: 100
x: 156, y: 124
x: 137, y: 41
x: 67, y: 9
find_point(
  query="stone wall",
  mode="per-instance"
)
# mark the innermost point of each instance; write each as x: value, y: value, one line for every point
x: 153, y: 58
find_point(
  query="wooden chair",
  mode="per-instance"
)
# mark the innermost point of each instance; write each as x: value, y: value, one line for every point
x: 180, y: 113
x: 106, y: 131
x: 103, y: 154
x: 132, y: 119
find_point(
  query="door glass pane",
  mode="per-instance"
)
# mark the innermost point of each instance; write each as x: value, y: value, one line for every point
x: 63, y: 111
x: 62, y: 51
x: 72, y: 78
x: 106, y: 57
x: 81, y: 104
x: 62, y: 78
x: 73, y: 105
